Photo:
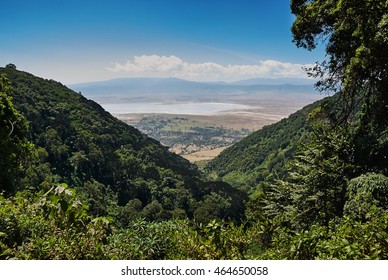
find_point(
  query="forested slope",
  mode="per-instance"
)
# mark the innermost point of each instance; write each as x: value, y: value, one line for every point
x: 109, y: 162
x: 263, y: 153
x: 75, y: 183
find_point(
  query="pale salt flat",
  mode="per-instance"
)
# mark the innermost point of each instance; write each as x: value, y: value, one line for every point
x: 189, y: 108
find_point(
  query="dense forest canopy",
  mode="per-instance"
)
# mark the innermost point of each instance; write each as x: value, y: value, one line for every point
x: 68, y: 155
x: 13, y: 129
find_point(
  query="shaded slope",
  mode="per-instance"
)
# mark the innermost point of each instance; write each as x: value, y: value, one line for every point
x: 79, y: 124
x: 262, y: 154
x: 106, y: 159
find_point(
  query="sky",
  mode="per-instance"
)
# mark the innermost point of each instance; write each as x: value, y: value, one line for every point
x: 74, y: 41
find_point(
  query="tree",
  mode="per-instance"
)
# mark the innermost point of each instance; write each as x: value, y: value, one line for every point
x: 356, y: 37
x: 365, y: 192
x: 11, y: 66
x: 14, y: 147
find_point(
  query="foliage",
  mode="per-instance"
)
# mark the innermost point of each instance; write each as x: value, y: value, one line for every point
x: 14, y: 148
x: 51, y: 225
x: 332, y: 204
x: 364, y: 192
x: 178, y: 239
x: 223, y: 202
x: 318, y: 178
x: 263, y: 154
x: 325, y: 207
x: 352, y: 239
x: 56, y: 225
x: 107, y: 161
x: 344, y: 238
x: 214, y: 241
x: 355, y: 34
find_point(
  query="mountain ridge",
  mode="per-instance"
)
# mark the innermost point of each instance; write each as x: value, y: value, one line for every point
x: 128, y: 86
x: 245, y: 82
x: 263, y: 153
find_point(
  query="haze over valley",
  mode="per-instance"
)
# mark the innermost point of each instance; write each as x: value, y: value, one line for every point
x: 194, y: 119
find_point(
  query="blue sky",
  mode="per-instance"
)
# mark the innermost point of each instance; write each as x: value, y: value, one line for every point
x: 205, y: 40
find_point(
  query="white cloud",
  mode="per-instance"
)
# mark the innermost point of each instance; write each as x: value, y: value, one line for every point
x: 149, y: 63
x: 172, y: 66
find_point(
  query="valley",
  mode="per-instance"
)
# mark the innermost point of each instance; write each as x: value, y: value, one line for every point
x: 198, y: 137
x: 195, y: 138
x: 197, y: 120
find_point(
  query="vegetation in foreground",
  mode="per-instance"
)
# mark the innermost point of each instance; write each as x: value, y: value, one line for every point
x: 330, y: 202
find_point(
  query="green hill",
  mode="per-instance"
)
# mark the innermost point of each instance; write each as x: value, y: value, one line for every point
x: 118, y: 170
x: 263, y: 153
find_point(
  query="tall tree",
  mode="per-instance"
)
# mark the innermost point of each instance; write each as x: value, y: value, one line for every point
x: 13, y: 145
x: 349, y: 135
x: 356, y: 38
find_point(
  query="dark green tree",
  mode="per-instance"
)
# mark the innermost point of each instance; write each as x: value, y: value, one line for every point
x: 11, y: 66
x: 356, y: 38
x: 314, y: 192
x: 14, y: 148
x: 349, y: 131
x: 365, y: 192
x: 341, y: 168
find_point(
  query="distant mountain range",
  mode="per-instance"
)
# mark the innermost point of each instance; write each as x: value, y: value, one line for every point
x: 173, y: 87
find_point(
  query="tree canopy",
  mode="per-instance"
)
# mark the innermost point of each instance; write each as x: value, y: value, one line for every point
x: 356, y: 37
x: 13, y: 144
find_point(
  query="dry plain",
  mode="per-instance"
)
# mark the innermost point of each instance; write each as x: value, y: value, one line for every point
x: 251, y: 119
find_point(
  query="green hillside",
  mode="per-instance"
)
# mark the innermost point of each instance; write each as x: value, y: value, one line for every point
x: 264, y: 153
x: 116, y: 169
